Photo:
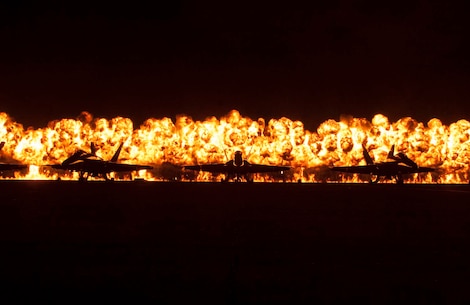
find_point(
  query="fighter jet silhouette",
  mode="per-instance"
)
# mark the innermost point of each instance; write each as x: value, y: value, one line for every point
x: 401, y: 165
x: 10, y: 166
x: 237, y: 169
x: 88, y: 164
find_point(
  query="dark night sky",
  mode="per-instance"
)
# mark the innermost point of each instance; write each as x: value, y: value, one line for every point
x: 309, y: 62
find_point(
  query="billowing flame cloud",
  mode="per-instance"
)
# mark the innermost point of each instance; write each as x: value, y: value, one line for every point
x: 160, y: 142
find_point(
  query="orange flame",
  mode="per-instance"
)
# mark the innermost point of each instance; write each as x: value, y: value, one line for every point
x: 168, y: 145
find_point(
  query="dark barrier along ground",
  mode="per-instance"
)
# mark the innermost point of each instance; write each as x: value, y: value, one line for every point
x: 182, y: 243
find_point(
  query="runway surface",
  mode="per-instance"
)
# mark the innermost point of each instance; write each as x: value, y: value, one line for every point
x: 282, y: 243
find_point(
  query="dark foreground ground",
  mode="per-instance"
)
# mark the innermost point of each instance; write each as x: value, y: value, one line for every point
x: 186, y: 243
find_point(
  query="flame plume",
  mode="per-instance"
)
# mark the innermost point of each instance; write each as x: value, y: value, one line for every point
x: 168, y: 145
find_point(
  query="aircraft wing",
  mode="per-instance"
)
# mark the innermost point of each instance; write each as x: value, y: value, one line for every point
x: 100, y: 167
x: 382, y: 169
x: 78, y: 166
x: 212, y: 168
x: 409, y: 170
x: 124, y: 167
x: 425, y: 169
x: 231, y: 169
x: 7, y: 167
x: 358, y: 169
x: 261, y: 168
x: 56, y: 166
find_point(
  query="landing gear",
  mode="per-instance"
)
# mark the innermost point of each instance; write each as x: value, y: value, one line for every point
x: 237, y: 178
x: 226, y: 178
x: 399, y: 179
x: 373, y: 179
x: 82, y: 177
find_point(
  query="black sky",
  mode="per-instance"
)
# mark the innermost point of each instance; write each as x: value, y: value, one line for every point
x: 304, y: 61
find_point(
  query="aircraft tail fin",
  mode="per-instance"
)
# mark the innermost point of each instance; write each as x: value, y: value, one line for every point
x: 93, y: 148
x: 408, y: 161
x: 391, y: 153
x: 226, y: 157
x: 116, y: 154
x: 367, y: 156
x: 1, y: 145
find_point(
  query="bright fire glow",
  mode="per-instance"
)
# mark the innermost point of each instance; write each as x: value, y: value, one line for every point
x: 167, y: 145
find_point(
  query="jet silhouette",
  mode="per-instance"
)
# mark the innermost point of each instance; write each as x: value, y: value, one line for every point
x: 88, y: 164
x: 401, y: 165
x: 237, y: 169
x: 10, y: 166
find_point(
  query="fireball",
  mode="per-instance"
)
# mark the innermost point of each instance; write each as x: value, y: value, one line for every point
x: 170, y: 144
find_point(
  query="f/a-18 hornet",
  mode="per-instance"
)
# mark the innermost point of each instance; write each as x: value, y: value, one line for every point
x: 238, y: 168
x: 391, y: 170
x: 88, y: 164
x: 10, y: 166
